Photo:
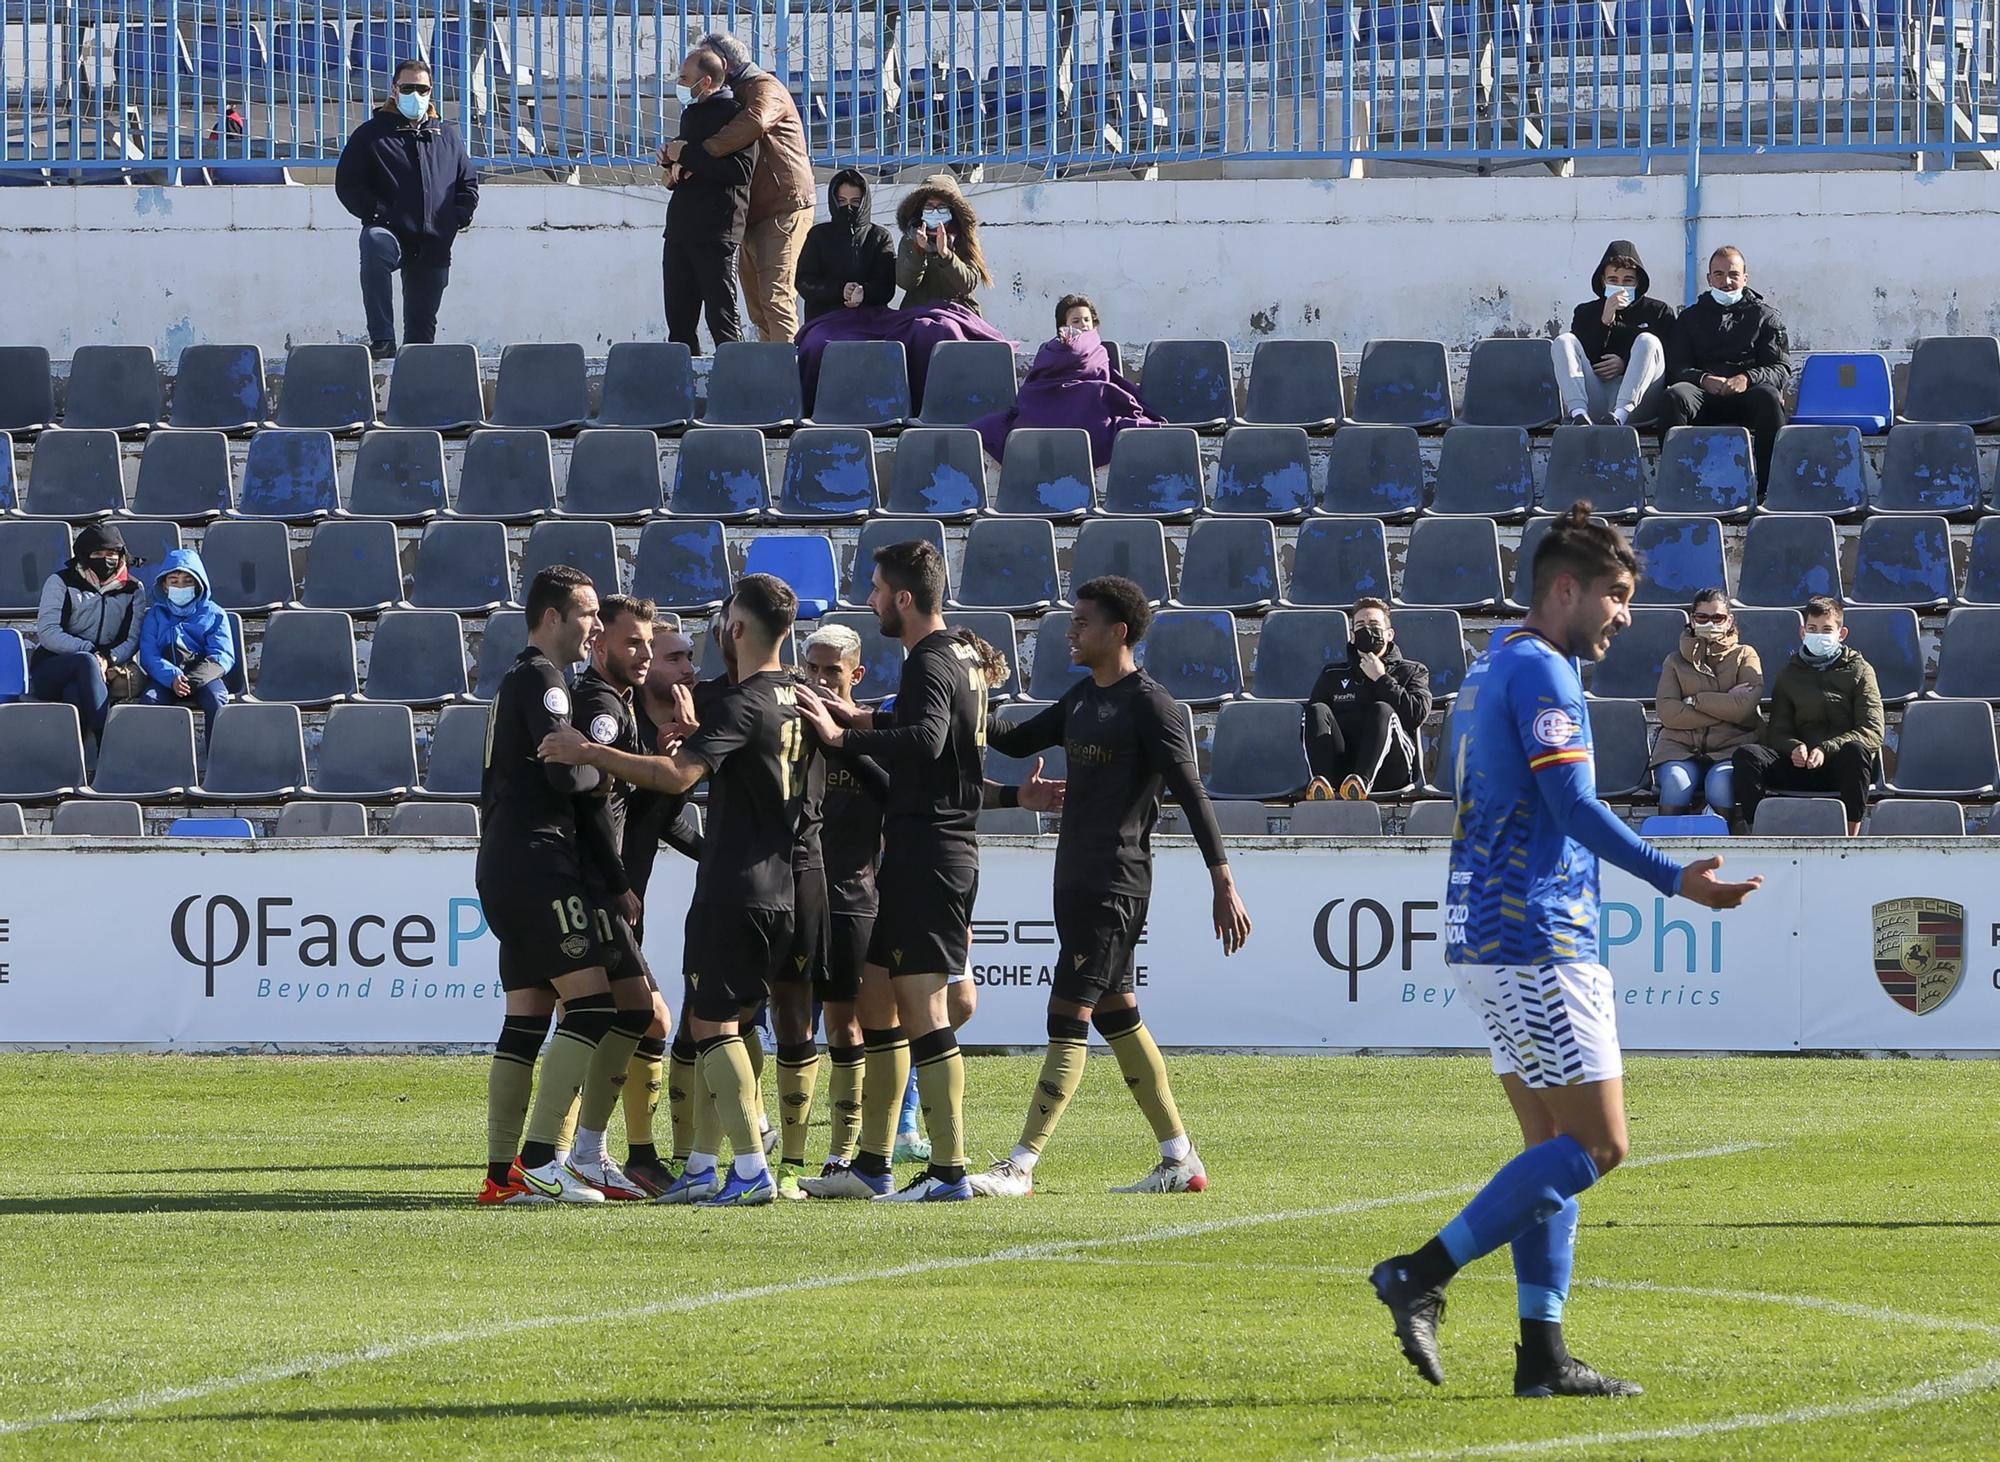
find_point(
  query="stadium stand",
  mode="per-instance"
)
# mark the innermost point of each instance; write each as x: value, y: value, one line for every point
x: 1132, y: 548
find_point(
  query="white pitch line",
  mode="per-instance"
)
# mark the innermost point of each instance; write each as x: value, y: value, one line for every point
x: 153, y: 1400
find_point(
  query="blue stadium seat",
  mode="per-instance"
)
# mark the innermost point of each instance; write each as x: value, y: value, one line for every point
x: 1374, y: 472
x: 220, y: 387
x: 1293, y: 646
x: 1620, y: 748
x: 290, y: 476
x: 1787, y: 559
x: 938, y: 472
x: 1339, y: 560
x: 27, y: 389
x: 1600, y: 465
x: 147, y: 754
x: 881, y: 656
x: 505, y: 636
x: 435, y: 387
x: 257, y: 754
x: 1982, y: 568
x: 1295, y: 383
x: 308, y: 658
x: 457, y: 759
x: 1930, y: 469
x: 1435, y: 637
x: 249, y: 565
x: 113, y: 388
x: 185, y: 476
x: 76, y: 475
x: 1630, y: 670
x: 803, y: 561
x: 1485, y: 472
x: 1819, y: 469
x: 863, y: 383
x: 1678, y: 558
x: 1264, y: 472
x: 211, y: 827
x: 880, y: 533
x: 1847, y: 391
x: 327, y: 388
x: 541, y: 386
x: 107, y: 819
x: 1969, y: 655
x: 1452, y: 563
x: 1189, y: 383
x: 1890, y: 640
x: 1010, y: 563
x: 367, y: 753
x: 1904, y: 560
x: 508, y: 475
x: 41, y: 751
x: 13, y: 666
x: 417, y: 658
x: 462, y: 567
x: 968, y: 379
x: 591, y: 548
x: 648, y: 383
x: 1047, y: 474
x: 1132, y: 548
x: 1511, y: 382
x: 1154, y: 473
x: 1259, y: 753
x: 721, y: 473
x: 1946, y: 750
x: 1053, y: 672
x: 29, y: 553
x: 231, y: 51
x: 1774, y: 635
x: 1705, y: 471
x: 1009, y: 771
x: 1954, y: 378
x: 379, y: 45
x: 1230, y: 564
x: 1403, y: 383
x: 352, y: 565
x: 829, y: 475
x: 682, y: 565
x: 614, y: 475
x: 996, y: 627
x: 755, y: 383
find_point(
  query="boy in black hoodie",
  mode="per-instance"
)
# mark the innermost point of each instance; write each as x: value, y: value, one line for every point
x: 1615, y: 350
x: 1727, y: 360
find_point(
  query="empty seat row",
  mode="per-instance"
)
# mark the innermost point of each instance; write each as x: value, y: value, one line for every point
x: 112, y: 817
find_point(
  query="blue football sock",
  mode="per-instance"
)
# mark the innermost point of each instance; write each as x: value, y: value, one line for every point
x: 1543, y: 1258
x: 1529, y: 1190
x: 907, y: 1121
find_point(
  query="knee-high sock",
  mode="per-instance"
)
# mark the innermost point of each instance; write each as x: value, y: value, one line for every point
x: 683, y: 1077
x: 1543, y: 1258
x: 585, y: 1022
x: 566, y: 1129
x: 753, y: 1047
x: 844, y: 1100
x: 886, y: 1072
x: 798, y: 1075
x: 727, y: 1066
x: 509, y: 1085
x: 941, y: 1080
x: 642, y: 1091
x: 606, y: 1077
x: 1530, y: 1190
x: 707, y: 1121
x: 1144, y: 1068
x: 1062, y: 1072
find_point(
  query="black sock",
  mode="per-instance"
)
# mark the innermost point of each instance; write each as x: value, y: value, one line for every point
x: 1430, y: 1267
x: 874, y: 1164
x: 1542, y: 1340
x: 497, y: 1171
x: 641, y: 1152
x: 537, y: 1154
x: 947, y: 1174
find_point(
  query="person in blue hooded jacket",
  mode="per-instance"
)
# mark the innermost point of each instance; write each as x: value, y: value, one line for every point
x: 186, y: 648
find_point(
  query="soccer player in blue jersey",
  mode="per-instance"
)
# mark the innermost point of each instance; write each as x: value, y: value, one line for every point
x: 1521, y: 929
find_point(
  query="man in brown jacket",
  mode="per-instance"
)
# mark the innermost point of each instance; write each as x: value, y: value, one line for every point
x: 1826, y: 722
x: 781, y: 189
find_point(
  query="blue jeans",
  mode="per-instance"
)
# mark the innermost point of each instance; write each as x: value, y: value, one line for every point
x: 423, y: 290
x: 77, y: 678
x: 1679, y: 781
x: 209, y: 696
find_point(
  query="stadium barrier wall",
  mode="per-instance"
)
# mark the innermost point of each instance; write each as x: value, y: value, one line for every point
x: 1854, y: 260
x: 380, y: 944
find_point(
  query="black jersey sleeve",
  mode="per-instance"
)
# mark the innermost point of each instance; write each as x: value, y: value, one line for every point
x: 924, y: 704
x: 547, y: 710
x: 1164, y: 734
x: 1039, y: 732
x: 681, y: 836
x: 600, y: 715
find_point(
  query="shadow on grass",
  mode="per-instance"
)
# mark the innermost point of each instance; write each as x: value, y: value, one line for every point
x: 279, y: 1201
x: 298, y: 1167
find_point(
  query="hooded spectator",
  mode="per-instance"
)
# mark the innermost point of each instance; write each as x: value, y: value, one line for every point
x: 1728, y: 362
x: 1708, y: 705
x: 847, y: 262
x: 1825, y: 734
x: 87, y: 629
x: 1615, y: 350
x: 186, y: 648
x: 1071, y: 384
x: 939, y: 259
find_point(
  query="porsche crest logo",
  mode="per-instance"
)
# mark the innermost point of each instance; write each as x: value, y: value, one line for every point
x: 1919, y: 951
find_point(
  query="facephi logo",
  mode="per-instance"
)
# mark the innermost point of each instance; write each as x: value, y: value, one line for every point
x: 214, y: 931
x: 1367, y: 934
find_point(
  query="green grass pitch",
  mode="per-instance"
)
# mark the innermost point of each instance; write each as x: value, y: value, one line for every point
x: 208, y: 1257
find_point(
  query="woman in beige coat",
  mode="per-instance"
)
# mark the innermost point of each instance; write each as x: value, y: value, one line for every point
x: 1707, y: 701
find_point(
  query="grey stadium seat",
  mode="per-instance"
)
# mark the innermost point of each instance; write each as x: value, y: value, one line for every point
x: 321, y: 820
x: 1436, y: 637
x: 308, y: 658
x: 938, y: 472
x: 721, y: 473
x: 1620, y: 747
x: 648, y: 383
x: 1154, y: 473
x: 417, y: 657
x: 29, y: 553
x: 1929, y: 469
x: 1954, y: 378
x: 508, y: 475
x: 1010, y: 563
x: 1452, y: 563
x: 1264, y: 472
x: 1293, y: 646
x: 1705, y: 471
x: 186, y: 476
x: 1774, y: 635
x: 1374, y: 472
x: 1295, y: 383
x: 1630, y: 670
x: 290, y: 476
x: 327, y: 388
x: 108, y: 819
x: 541, y: 386
x: 1010, y: 822
x: 41, y: 751
x: 1904, y: 560
x: 1047, y: 474
x: 367, y: 752
x: 881, y: 657
x: 1233, y: 819
x: 1230, y: 564
x: 258, y: 754
x: 435, y: 386
x: 1969, y: 655
x: 1189, y: 383
x: 682, y: 565
x: 1339, y: 560
x: 1982, y: 567
x: 1485, y: 472
x: 12, y: 824
x: 1052, y: 673
x: 1819, y: 469
x: 1800, y: 817
x: 880, y: 533
x: 75, y: 475
x: 1192, y: 653
x: 996, y: 628
x: 457, y: 754
x: 1132, y: 548
x: 1788, y: 559
x: 967, y: 379
x: 220, y: 387
x: 1891, y: 641
x: 1010, y: 771
x: 1336, y: 820
x: 591, y: 547
x: 249, y: 565
x: 147, y: 754
x: 1431, y: 819
x: 1259, y: 752
x: 115, y: 387
x: 1908, y: 817
x: 614, y: 475
x: 148, y: 541
x: 500, y: 644
x: 1511, y: 383
x: 754, y: 383
x: 864, y: 383
x: 8, y: 500
x: 1403, y: 383
x: 353, y: 565
x: 829, y: 475
x: 433, y: 820
x: 27, y: 391
x: 1600, y: 465
x: 463, y: 567
x: 1947, y: 750
x: 399, y: 475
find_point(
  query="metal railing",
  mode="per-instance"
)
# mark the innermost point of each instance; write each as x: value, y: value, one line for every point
x: 242, y: 87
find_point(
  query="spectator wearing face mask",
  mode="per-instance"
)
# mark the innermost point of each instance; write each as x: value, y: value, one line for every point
x: 1825, y: 734
x: 938, y: 259
x: 847, y: 263
x: 87, y: 630
x: 1615, y: 349
x: 1362, y: 719
x: 1071, y: 384
x: 186, y: 648
x: 709, y: 208
x: 1728, y: 362
x: 1708, y: 705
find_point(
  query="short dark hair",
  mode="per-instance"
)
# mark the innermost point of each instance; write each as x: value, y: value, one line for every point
x: 916, y: 568
x: 617, y: 606
x: 1582, y: 547
x: 411, y: 63
x: 1070, y: 301
x: 1713, y: 591
x: 554, y: 588
x: 1622, y: 261
x: 769, y: 601
x: 1823, y: 604
x: 1731, y: 250
x: 1369, y: 601
x: 1122, y: 600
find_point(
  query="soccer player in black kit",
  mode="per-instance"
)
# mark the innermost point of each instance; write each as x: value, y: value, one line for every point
x: 752, y: 743
x: 1124, y: 737
x: 931, y: 747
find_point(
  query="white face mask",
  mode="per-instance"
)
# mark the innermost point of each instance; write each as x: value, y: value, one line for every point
x: 684, y: 94
x: 1821, y: 646
x: 1710, y: 631
x: 1620, y: 295
x: 412, y: 106
x: 936, y: 217
x: 1726, y: 296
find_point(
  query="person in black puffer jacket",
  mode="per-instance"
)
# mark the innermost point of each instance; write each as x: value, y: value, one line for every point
x: 1615, y: 349
x: 1728, y: 362
x: 847, y: 261
x: 87, y: 629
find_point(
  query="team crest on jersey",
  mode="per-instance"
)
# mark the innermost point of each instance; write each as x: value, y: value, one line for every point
x: 1919, y: 951
x: 575, y: 946
x: 604, y: 729
x: 556, y: 701
x: 1556, y: 727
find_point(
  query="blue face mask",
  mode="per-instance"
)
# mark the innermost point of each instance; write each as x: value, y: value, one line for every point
x: 684, y: 94
x: 412, y: 106
x: 180, y: 596
x: 1726, y: 296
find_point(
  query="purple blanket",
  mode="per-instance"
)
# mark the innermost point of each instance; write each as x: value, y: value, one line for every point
x: 919, y: 331
x: 1071, y: 384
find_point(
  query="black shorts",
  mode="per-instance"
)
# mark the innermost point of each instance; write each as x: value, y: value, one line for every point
x: 545, y: 921
x: 621, y: 943
x: 730, y: 957
x: 1099, y: 934
x: 924, y: 923
x: 810, y: 933
x: 846, y: 952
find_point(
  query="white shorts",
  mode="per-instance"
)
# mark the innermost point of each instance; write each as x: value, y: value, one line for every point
x: 1555, y: 1025
x: 960, y: 978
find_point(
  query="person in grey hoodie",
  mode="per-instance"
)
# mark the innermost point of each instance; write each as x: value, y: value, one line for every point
x: 87, y: 627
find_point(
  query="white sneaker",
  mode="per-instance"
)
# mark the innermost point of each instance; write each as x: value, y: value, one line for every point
x: 1167, y: 1176
x: 846, y: 1182
x: 607, y: 1178
x: 553, y: 1180
x: 1005, y: 1179
x: 770, y: 1136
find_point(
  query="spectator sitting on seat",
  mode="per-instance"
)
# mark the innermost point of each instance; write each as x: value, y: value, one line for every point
x: 1071, y: 384
x: 186, y: 648
x: 1362, y: 719
x: 87, y: 630
x: 1615, y: 349
x: 707, y: 212
x: 938, y: 258
x: 1709, y: 690
x: 848, y: 262
x: 407, y: 176
x: 1826, y: 723
x: 1727, y: 360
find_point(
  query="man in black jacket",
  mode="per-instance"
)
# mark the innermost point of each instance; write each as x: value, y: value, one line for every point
x: 706, y: 215
x: 847, y: 261
x: 1727, y: 360
x: 1615, y: 350
x: 1364, y: 713
x: 407, y: 177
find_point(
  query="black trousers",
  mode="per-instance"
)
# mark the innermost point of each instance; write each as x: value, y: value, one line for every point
x: 1361, y: 741
x: 1760, y: 408
x: 1847, y: 774
x: 697, y: 275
